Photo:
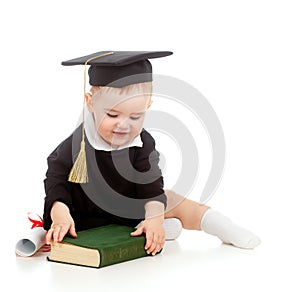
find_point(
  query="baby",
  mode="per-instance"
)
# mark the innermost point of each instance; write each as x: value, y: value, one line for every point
x: 122, y: 183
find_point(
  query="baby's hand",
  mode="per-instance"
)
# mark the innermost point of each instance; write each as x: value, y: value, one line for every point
x: 155, y: 234
x: 62, y: 223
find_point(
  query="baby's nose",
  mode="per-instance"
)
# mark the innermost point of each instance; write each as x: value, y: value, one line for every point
x: 123, y: 124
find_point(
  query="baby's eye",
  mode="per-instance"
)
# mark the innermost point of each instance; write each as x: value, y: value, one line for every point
x: 112, y: 115
x: 135, y: 117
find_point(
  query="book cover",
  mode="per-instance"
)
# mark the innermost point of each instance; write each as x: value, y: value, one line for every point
x: 99, y: 247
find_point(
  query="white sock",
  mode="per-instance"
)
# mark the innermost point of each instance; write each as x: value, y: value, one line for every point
x: 173, y: 228
x: 217, y: 224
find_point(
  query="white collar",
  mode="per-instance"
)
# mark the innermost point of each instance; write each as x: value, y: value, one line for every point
x: 97, y: 142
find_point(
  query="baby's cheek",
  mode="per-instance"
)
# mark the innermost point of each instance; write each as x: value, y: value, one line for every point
x: 102, y: 123
x: 136, y: 131
x: 139, y: 126
x: 103, y: 129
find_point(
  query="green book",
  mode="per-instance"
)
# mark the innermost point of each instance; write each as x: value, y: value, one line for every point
x: 99, y: 247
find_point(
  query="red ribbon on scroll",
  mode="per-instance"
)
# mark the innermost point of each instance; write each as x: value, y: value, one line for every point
x: 37, y: 221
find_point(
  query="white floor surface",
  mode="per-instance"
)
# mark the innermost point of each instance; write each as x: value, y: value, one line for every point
x: 195, y: 261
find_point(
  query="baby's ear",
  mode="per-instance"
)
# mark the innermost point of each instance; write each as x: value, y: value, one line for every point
x: 89, y: 101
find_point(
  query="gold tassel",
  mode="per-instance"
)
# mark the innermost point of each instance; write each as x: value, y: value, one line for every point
x: 78, y: 173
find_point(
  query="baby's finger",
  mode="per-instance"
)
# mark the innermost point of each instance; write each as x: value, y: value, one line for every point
x: 157, y: 249
x: 72, y: 231
x: 49, y: 236
x: 149, y: 240
x: 137, y: 232
x: 62, y: 233
x: 56, y: 233
x: 160, y: 244
x: 153, y: 246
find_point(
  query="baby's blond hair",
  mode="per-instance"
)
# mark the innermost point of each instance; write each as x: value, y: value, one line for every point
x: 135, y: 89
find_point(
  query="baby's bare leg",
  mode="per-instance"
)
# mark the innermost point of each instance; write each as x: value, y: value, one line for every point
x: 189, y: 212
x: 195, y: 216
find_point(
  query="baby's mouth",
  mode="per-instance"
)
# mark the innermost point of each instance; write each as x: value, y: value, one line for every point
x: 120, y: 133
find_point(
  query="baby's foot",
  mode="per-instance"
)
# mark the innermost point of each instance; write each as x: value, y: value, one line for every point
x: 217, y: 224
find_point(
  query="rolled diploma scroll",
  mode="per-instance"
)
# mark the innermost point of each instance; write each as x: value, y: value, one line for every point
x: 31, y: 242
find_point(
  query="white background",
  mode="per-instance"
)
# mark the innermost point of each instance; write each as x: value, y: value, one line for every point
x: 243, y: 56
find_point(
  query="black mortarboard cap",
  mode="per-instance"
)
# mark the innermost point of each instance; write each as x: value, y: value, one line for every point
x: 118, y: 68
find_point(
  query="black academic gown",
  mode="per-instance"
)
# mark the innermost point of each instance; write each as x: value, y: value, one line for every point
x: 115, y: 192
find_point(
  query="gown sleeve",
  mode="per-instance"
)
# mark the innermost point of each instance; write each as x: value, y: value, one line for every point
x: 57, y: 187
x: 146, y: 160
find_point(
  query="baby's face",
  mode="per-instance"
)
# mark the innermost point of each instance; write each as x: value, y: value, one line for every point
x: 119, y: 115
